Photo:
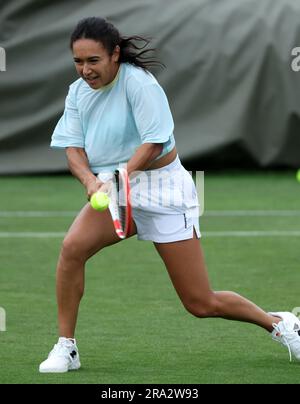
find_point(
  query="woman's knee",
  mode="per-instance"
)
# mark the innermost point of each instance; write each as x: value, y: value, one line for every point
x: 202, y: 308
x: 75, y: 250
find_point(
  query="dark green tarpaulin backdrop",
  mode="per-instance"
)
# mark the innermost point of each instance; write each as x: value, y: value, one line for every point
x: 233, y: 93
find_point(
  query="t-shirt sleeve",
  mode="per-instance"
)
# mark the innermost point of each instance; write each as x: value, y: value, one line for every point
x: 68, y: 131
x: 152, y: 114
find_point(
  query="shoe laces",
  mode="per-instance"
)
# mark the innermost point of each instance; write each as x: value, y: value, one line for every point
x: 61, y: 350
x: 288, y: 336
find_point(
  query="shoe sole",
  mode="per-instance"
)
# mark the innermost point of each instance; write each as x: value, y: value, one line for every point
x: 65, y: 370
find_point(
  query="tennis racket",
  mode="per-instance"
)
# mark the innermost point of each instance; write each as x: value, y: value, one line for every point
x: 119, y: 205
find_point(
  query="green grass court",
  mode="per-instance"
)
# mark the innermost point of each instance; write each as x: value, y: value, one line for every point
x: 132, y: 327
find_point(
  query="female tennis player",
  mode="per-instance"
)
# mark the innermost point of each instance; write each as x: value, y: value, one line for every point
x: 117, y: 113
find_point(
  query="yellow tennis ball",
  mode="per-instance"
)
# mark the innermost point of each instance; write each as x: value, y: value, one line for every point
x: 298, y: 175
x: 99, y: 201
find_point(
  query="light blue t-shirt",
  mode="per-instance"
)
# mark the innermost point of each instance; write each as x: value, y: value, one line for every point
x: 112, y: 122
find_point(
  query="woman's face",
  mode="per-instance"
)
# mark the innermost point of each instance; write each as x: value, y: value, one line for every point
x: 94, y: 64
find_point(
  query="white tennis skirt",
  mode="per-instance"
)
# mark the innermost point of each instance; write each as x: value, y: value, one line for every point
x: 165, y: 204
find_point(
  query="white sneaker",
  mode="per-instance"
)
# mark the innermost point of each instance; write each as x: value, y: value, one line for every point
x: 287, y: 332
x: 63, y: 357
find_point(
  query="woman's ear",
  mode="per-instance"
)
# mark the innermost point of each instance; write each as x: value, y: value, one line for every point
x: 116, y: 54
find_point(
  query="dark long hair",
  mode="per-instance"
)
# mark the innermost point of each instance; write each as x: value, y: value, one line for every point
x: 132, y: 48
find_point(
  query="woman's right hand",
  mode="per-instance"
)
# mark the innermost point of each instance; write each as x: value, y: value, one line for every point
x: 93, y: 185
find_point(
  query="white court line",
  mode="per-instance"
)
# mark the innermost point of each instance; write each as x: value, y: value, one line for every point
x: 210, y: 213
x: 37, y: 213
x: 252, y: 213
x: 254, y: 233
x: 31, y: 234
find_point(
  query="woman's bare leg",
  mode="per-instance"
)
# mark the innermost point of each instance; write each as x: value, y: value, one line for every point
x: 90, y: 232
x: 186, y: 267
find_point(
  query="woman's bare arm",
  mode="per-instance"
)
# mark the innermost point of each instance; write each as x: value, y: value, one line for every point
x: 79, y: 167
